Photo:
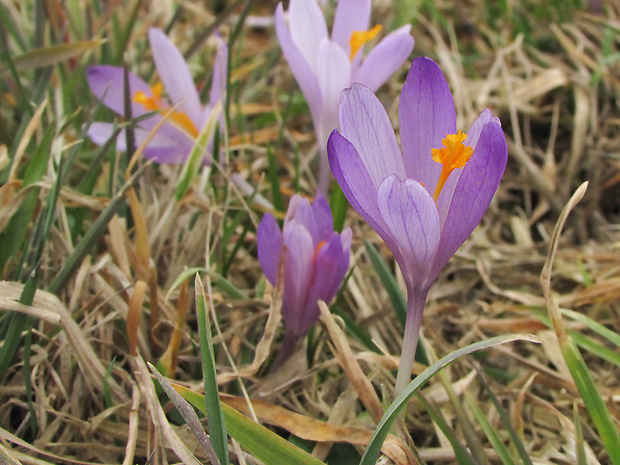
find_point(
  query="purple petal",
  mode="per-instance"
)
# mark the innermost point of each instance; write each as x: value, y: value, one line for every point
x: 351, y: 16
x: 323, y: 217
x: 218, y: 83
x: 298, y: 273
x: 357, y: 185
x: 175, y: 75
x: 426, y: 115
x: 160, y: 149
x: 445, y: 198
x: 334, y: 73
x: 308, y: 28
x: 269, y: 245
x: 365, y: 123
x: 411, y: 216
x: 385, y: 58
x: 300, y: 211
x: 331, y: 264
x: 107, y: 84
x: 474, y: 191
x: 301, y: 69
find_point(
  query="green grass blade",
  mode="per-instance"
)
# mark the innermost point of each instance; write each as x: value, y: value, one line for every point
x: 218, y: 280
x: 274, y: 180
x: 516, y: 440
x: 217, y: 426
x: 596, y: 327
x: 586, y: 386
x: 91, y: 236
x: 260, y: 442
x: 339, y: 204
x: 188, y: 414
x: 371, y: 454
x: 197, y: 154
x: 399, y: 303
x: 463, y: 457
x: 497, y: 443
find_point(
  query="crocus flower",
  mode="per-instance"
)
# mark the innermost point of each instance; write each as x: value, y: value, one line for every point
x: 425, y: 202
x: 175, y: 138
x: 324, y: 65
x: 315, y: 260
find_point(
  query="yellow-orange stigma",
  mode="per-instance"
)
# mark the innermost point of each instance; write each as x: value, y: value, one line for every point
x: 359, y: 38
x: 318, y: 248
x: 454, y: 154
x: 154, y: 103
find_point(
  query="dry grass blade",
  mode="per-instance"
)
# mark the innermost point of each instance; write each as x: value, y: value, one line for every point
x: 316, y: 430
x: 365, y: 390
x: 165, y: 435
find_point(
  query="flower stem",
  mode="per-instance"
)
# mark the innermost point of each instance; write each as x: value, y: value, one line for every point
x: 324, y: 174
x: 416, y: 299
x: 287, y: 348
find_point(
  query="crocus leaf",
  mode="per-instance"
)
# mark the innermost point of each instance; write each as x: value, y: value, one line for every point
x: 374, y: 447
x: 260, y: 442
x: 197, y: 154
x: 46, y: 56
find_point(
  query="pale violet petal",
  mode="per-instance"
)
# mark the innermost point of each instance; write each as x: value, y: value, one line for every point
x: 303, y: 72
x: 365, y: 123
x: 308, y: 28
x: 351, y: 16
x: 269, y: 247
x: 334, y: 73
x: 385, y: 58
x: 411, y: 216
x: 427, y: 115
x: 473, y: 193
x: 175, y: 75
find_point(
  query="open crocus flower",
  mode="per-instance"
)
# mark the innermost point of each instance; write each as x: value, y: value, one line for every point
x: 175, y: 138
x: 424, y: 203
x: 324, y: 66
x: 316, y: 259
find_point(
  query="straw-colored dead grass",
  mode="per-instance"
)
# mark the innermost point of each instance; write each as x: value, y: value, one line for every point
x: 93, y: 398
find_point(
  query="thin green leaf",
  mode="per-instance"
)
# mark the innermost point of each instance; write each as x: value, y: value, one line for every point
x: 399, y: 303
x: 217, y: 426
x: 197, y: 154
x: 463, y: 457
x: 274, y: 180
x: 588, y: 390
x: 260, y: 442
x: 218, y: 280
x: 46, y: 56
x: 595, y: 326
x: 188, y: 414
x: 497, y: 443
x: 374, y: 447
x: 339, y: 204
x: 580, y: 449
x: 516, y: 440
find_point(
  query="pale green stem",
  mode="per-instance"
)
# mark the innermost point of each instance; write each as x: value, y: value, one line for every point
x: 324, y: 171
x: 416, y: 299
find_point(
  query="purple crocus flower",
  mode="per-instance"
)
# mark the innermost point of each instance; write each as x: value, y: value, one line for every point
x: 316, y: 259
x: 425, y: 202
x: 175, y: 138
x: 324, y: 66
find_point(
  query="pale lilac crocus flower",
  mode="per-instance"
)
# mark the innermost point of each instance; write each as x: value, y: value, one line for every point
x: 425, y: 202
x: 323, y: 66
x: 175, y: 139
x: 315, y: 260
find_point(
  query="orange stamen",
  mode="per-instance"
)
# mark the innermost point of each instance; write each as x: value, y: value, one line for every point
x: 453, y: 155
x: 359, y: 38
x: 154, y: 103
